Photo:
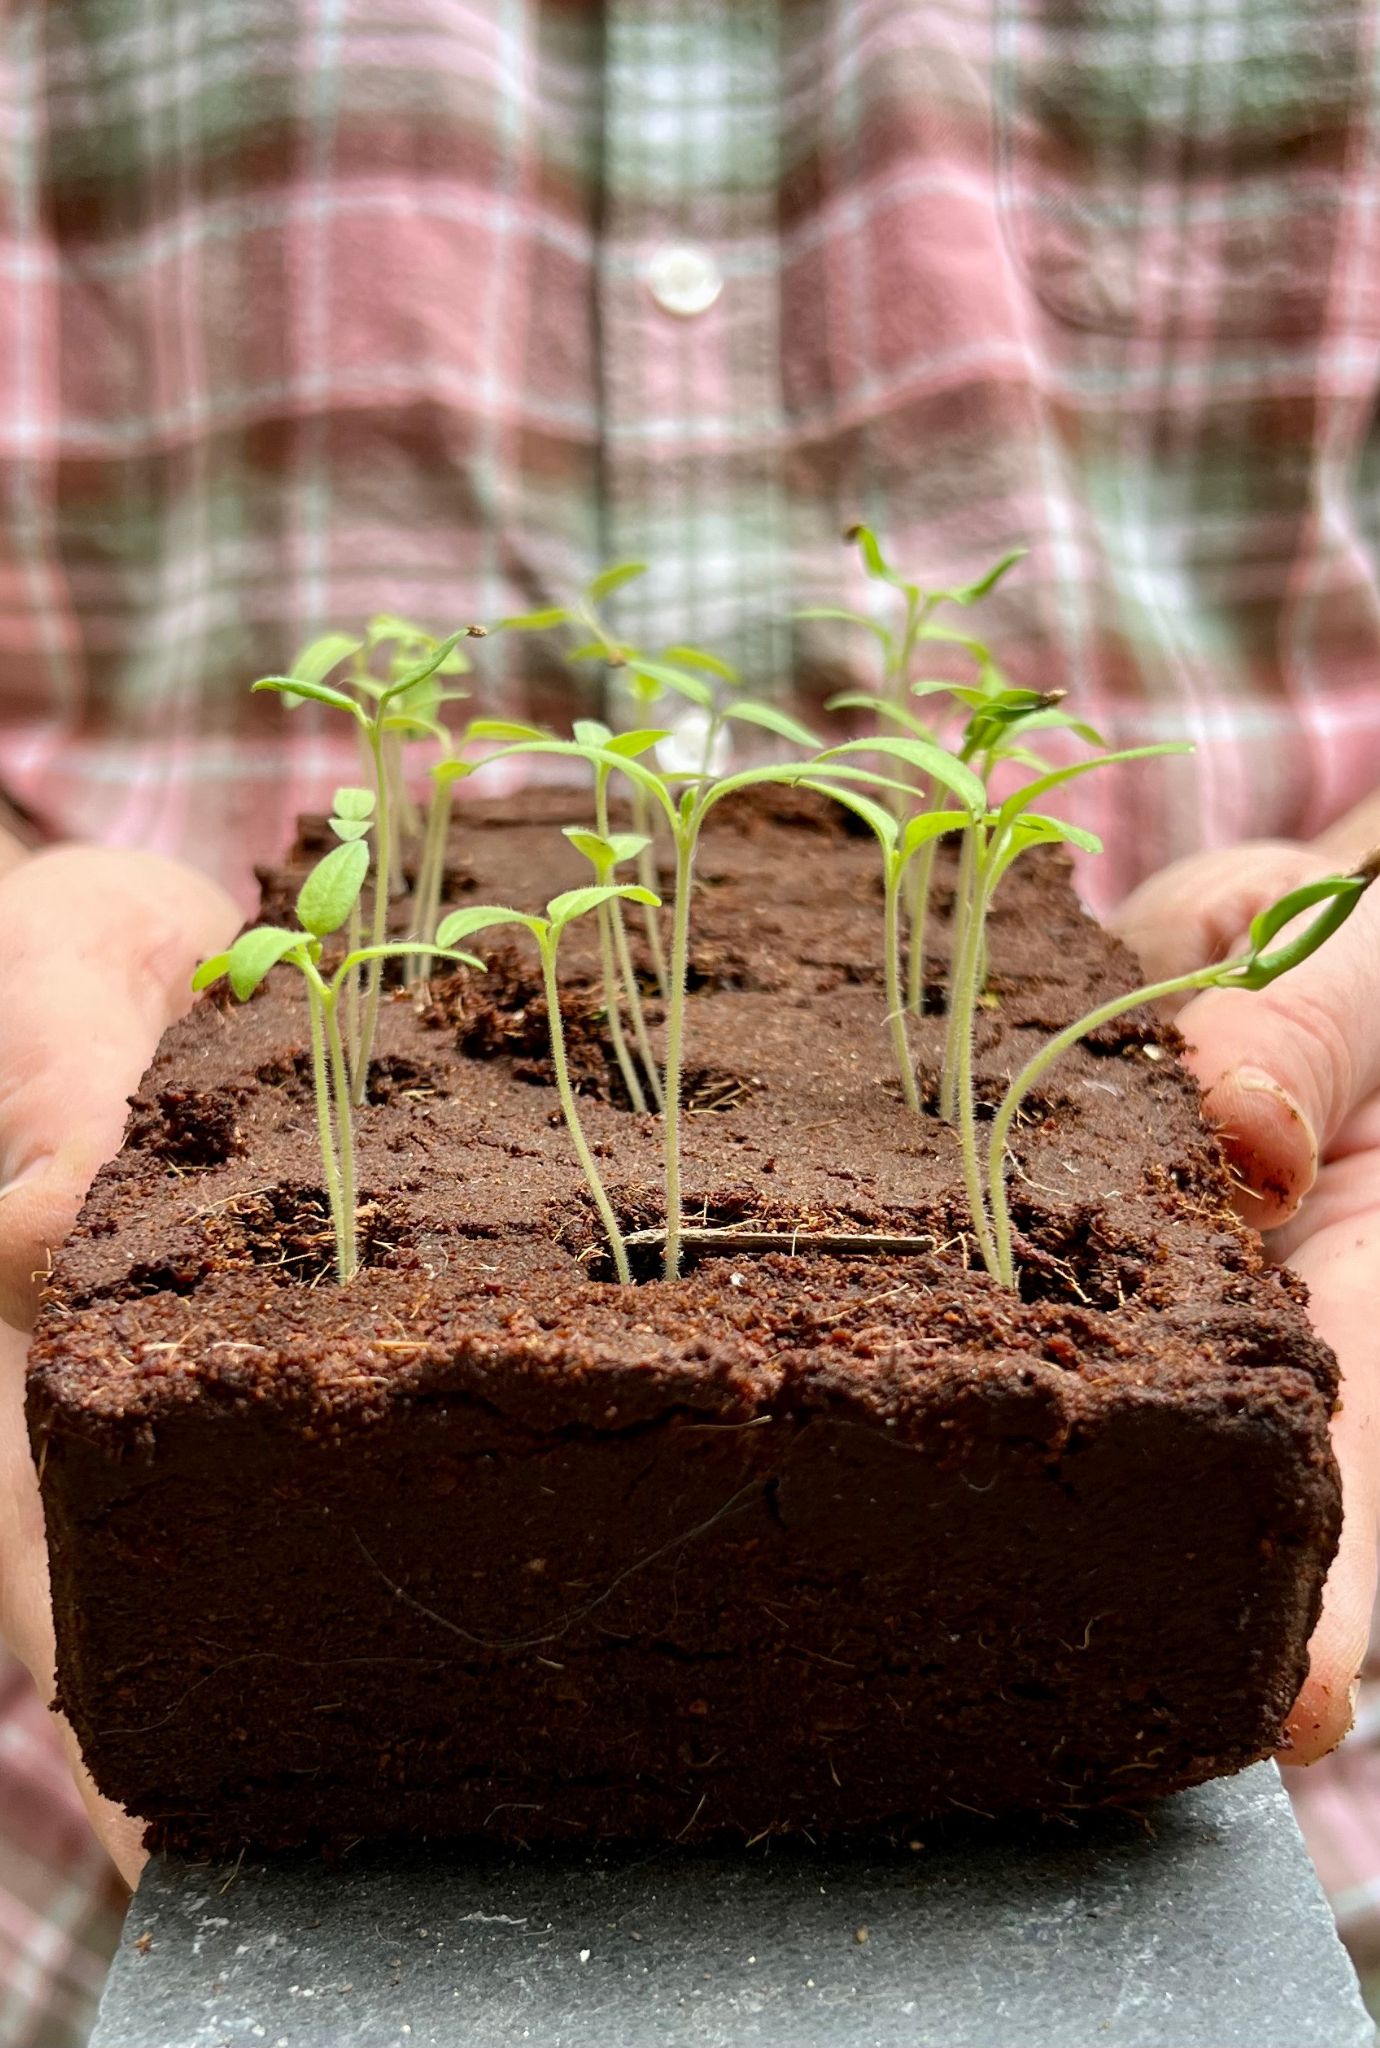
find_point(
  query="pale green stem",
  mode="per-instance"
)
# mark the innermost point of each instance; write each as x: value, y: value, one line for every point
x: 347, y: 1258
x: 321, y: 1085
x: 355, y: 939
x: 895, y: 1009
x: 635, y: 1010
x: 620, y: 939
x: 547, y: 946
x: 686, y: 833
x: 383, y: 878
x: 1040, y: 1063
x: 646, y: 875
x: 921, y: 875
x: 627, y: 1066
x: 430, y: 878
x: 966, y: 1105
x: 959, y: 926
x: 400, y: 805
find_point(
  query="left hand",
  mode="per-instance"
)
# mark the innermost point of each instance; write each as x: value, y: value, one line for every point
x: 1291, y: 1076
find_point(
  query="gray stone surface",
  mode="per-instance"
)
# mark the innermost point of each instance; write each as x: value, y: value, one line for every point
x: 1203, y: 1929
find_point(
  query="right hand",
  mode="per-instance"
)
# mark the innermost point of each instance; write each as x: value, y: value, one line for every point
x: 97, y: 958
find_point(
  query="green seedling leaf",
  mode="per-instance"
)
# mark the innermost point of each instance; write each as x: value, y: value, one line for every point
x: 209, y: 971
x: 699, y: 657
x: 255, y: 952
x: 931, y: 759
x: 414, y: 728
x: 629, y: 746
x: 611, y: 851
x: 950, y: 637
x: 352, y: 812
x: 592, y: 650
x: 1057, y: 830
x: 401, y: 949
x: 874, y: 561
x: 644, y: 778
x: 592, y: 845
x: 847, y: 618
x: 1338, y: 894
x: 881, y: 707
x: 591, y: 732
x: 677, y: 680
x: 608, y: 580
x: 970, y: 593
x: 331, y: 890
x: 749, y: 712
x: 319, y: 693
x: 881, y: 821
x: 389, y: 626
x: 962, y: 693
x: 535, y: 622
x: 314, y: 662
x: 1063, y: 721
x: 572, y: 903
x: 482, y: 917
x: 919, y: 831
x: 503, y: 729
x: 627, y: 846
x: 1022, y: 798
x: 423, y: 670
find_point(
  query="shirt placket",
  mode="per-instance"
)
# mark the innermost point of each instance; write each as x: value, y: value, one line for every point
x: 689, y: 307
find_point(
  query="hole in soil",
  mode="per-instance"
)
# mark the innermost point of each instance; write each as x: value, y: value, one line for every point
x: 287, y: 1230
x: 1069, y: 1258
x: 393, y: 1077
x: 189, y: 1127
x: 502, y: 1014
x: 989, y: 1090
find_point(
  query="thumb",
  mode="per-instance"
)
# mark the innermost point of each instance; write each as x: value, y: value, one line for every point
x: 99, y: 951
x: 1281, y: 1068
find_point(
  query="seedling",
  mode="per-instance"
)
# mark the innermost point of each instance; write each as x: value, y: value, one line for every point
x: 381, y: 711
x: 899, y: 648
x: 606, y: 852
x: 352, y: 814
x: 693, y: 674
x: 561, y: 912
x: 1334, y: 898
x: 684, y: 816
x: 900, y: 844
x: 324, y: 903
x: 445, y: 778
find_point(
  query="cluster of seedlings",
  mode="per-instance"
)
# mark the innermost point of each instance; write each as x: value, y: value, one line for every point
x: 912, y: 781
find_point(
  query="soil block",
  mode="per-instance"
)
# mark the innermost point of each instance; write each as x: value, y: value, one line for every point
x: 822, y: 1539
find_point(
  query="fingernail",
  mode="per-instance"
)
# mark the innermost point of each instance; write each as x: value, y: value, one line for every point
x: 36, y: 1166
x: 1288, y: 1169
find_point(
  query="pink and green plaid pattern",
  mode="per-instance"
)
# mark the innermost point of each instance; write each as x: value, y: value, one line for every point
x: 311, y: 308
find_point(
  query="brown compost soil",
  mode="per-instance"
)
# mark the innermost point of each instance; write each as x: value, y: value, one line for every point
x: 808, y: 1541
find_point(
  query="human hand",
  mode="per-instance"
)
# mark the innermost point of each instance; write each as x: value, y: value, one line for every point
x: 98, y: 957
x: 1291, y: 1076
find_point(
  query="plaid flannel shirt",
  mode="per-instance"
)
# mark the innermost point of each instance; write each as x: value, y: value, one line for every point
x: 310, y: 309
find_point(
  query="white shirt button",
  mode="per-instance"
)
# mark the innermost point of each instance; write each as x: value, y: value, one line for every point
x: 683, y: 279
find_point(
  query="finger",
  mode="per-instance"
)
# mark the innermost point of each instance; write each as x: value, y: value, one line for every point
x: 1283, y: 1068
x: 1338, y: 1264
x: 99, y: 951
x: 25, y: 1611
x: 1194, y: 912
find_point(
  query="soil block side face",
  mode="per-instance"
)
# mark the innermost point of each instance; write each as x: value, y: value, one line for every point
x: 486, y: 1544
